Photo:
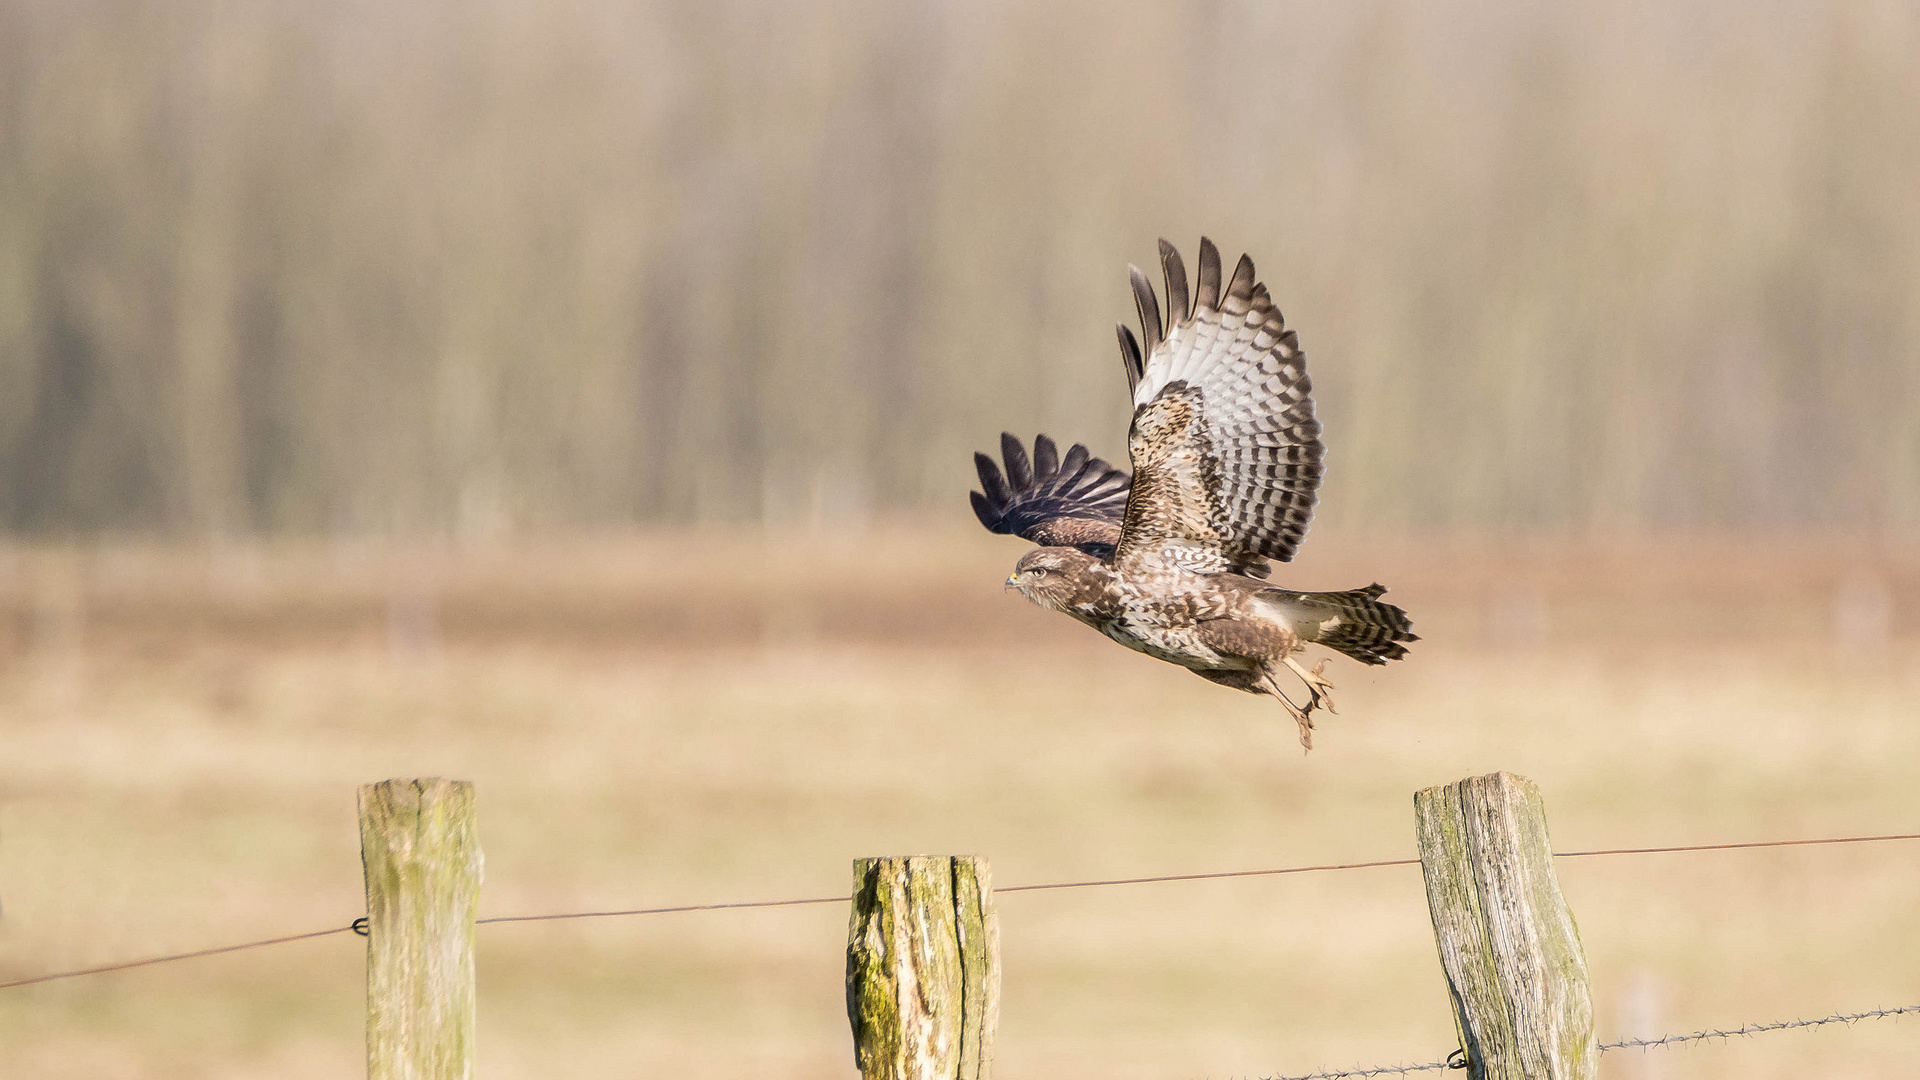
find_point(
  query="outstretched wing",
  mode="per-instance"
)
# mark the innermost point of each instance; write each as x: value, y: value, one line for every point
x: 1077, y: 501
x: 1226, y: 451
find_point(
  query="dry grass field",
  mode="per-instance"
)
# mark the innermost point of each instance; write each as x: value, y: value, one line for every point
x: 686, y: 719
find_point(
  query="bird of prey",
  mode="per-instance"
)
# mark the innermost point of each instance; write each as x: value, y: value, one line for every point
x: 1172, y: 560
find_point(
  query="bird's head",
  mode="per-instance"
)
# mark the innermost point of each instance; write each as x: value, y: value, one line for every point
x: 1051, y: 576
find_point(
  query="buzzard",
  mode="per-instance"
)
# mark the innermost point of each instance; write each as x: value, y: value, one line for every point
x: 1172, y: 560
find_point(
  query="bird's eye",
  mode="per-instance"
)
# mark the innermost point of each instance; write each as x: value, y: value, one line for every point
x: 1039, y: 571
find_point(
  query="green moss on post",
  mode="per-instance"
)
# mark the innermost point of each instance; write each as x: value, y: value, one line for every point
x: 422, y: 864
x: 1507, y: 939
x: 923, y: 968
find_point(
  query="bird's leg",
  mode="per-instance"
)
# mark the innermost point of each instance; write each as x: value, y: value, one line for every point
x: 1302, y: 718
x: 1317, y: 684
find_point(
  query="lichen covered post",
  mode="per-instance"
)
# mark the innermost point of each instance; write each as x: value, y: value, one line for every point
x: 923, y: 968
x: 1507, y: 939
x: 423, y: 865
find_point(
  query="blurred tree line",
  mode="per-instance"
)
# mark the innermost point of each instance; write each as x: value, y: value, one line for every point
x: 286, y: 266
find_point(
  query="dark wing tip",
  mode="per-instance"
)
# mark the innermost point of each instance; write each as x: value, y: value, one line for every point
x: 1130, y: 357
x: 1207, y: 280
x: 995, y: 485
x: 1242, y: 283
x: 1148, y: 306
x: 1175, y: 272
x: 1046, y: 457
x: 984, y: 509
x: 1019, y: 467
x: 1080, y: 494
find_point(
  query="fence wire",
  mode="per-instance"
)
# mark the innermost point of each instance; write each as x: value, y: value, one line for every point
x: 1377, y: 1070
x: 1457, y: 1061
x: 1213, y: 876
x: 194, y: 955
x: 1755, y: 1029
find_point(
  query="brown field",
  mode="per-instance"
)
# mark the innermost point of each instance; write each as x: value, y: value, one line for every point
x: 680, y: 720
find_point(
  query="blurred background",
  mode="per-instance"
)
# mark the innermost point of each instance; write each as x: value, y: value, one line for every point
x: 578, y: 398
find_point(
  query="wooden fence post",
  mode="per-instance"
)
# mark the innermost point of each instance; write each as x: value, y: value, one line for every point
x: 923, y: 968
x: 422, y: 863
x: 1508, y: 944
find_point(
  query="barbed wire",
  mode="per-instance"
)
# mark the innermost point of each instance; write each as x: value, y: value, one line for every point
x: 1457, y: 1060
x: 1377, y: 1070
x: 1755, y: 1029
x: 740, y: 905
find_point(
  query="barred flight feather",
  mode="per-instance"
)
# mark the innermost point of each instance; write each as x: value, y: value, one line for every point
x: 1225, y: 446
x: 1130, y: 358
x: 1356, y: 622
x: 1149, y: 308
x: 1175, y: 272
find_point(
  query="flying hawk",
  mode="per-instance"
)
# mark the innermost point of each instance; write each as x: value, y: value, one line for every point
x: 1226, y: 458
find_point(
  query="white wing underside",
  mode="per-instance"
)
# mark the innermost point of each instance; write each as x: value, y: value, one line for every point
x: 1226, y: 450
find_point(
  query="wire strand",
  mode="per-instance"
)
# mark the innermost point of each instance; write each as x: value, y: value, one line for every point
x: 1206, y: 877
x: 1376, y: 1070
x: 1214, y: 876
x: 665, y: 910
x: 150, y: 961
x: 742, y: 905
x: 1629, y: 1044
x: 1007, y: 889
x: 1755, y: 1029
x: 1736, y: 846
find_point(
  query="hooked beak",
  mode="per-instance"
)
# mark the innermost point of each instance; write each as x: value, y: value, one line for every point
x: 1012, y: 582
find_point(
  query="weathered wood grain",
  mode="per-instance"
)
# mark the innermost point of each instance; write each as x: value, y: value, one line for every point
x: 423, y: 866
x: 1508, y: 944
x: 923, y: 968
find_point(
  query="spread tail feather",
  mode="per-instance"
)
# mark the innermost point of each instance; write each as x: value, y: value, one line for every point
x: 1356, y: 622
